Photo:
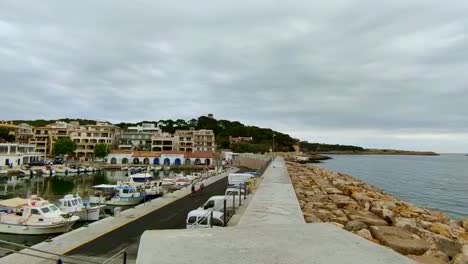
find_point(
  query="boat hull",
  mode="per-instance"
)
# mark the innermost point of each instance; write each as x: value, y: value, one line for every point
x: 89, y: 214
x: 36, y: 230
x: 125, y: 201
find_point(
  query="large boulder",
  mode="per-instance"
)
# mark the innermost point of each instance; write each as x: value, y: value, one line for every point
x: 366, y: 234
x: 354, y: 226
x: 404, y: 222
x: 449, y: 246
x: 400, y: 239
x: 341, y: 200
x: 460, y: 259
x: 366, y: 217
x: 441, y: 229
x: 464, y: 224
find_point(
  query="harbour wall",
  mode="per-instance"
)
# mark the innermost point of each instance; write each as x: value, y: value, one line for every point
x: 423, y: 235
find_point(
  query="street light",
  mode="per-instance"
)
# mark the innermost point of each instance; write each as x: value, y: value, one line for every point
x: 273, y: 147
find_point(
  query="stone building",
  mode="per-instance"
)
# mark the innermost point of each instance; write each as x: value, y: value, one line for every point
x: 87, y: 137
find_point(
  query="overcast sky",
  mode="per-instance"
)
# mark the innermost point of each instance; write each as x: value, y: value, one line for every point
x: 371, y: 73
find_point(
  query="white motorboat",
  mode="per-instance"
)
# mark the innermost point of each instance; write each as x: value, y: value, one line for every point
x: 76, y: 206
x: 123, y: 195
x: 33, y: 217
x: 167, y: 167
x: 140, y: 179
x: 168, y: 182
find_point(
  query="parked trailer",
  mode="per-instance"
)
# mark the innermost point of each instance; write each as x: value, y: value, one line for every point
x: 239, y: 179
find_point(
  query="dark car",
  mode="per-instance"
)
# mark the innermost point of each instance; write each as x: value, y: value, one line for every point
x: 37, y: 163
x: 59, y: 160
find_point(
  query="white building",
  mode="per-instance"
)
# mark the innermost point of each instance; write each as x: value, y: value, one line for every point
x: 16, y: 154
x: 138, y: 137
x: 87, y: 137
x: 170, y: 158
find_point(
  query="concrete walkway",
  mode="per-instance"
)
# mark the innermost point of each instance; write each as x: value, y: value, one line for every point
x: 275, y: 201
x: 271, y: 230
x: 76, y: 238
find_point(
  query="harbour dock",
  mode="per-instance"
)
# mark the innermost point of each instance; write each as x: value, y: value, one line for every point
x: 271, y: 230
x: 104, y: 238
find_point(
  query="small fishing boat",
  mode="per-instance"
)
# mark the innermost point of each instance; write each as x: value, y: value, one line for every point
x: 33, y: 216
x: 76, y: 206
x: 140, y: 179
x: 168, y: 182
x: 119, y: 195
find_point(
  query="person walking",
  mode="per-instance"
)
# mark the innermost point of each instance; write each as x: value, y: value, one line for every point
x: 193, y: 189
x: 201, y: 187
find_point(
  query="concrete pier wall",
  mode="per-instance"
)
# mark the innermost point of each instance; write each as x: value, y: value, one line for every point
x: 252, y: 161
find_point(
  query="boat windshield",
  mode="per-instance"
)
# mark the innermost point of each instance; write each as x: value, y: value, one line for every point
x: 53, y: 208
x: 143, y: 179
x: 74, y: 202
x: 45, y: 210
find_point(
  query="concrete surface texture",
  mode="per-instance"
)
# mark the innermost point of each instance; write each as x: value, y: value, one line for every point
x: 76, y: 238
x: 290, y: 243
x: 275, y: 201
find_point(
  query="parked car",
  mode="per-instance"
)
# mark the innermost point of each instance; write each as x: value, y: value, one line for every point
x: 201, y: 219
x: 59, y: 160
x: 37, y: 163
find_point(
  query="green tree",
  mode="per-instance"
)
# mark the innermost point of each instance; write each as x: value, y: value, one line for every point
x: 64, y: 146
x: 5, y: 135
x: 101, y: 150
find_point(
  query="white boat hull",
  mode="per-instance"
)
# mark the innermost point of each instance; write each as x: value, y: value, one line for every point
x: 36, y: 230
x: 89, y: 214
x: 124, y: 201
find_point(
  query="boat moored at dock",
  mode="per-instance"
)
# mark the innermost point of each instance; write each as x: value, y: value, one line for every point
x: 33, y: 217
x: 75, y: 205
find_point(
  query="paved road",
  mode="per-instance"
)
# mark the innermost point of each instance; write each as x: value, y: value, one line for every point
x: 171, y: 216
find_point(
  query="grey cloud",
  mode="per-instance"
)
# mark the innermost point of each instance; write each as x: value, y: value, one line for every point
x: 315, y: 70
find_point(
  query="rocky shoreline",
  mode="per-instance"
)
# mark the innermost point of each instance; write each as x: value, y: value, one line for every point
x: 423, y: 235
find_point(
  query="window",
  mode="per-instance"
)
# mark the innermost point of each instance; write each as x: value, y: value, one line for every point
x: 45, y: 210
x: 209, y: 204
x: 218, y: 222
x: 192, y: 220
x: 53, y: 208
x: 35, y: 212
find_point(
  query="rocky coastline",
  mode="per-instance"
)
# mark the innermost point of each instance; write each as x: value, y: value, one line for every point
x: 423, y: 235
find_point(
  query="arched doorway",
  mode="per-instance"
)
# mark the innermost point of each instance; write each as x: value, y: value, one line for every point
x: 188, y: 162
x: 207, y: 161
x: 156, y: 161
x: 136, y: 161
x: 167, y: 161
x: 177, y: 162
x: 197, y: 161
x: 113, y: 161
x: 124, y: 161
x: 146, y: 161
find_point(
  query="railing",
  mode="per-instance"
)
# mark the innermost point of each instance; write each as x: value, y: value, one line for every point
x: 59, y: 258
x: 208, y: 217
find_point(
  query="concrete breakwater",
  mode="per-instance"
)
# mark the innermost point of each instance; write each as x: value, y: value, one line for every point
x: 423, y: 235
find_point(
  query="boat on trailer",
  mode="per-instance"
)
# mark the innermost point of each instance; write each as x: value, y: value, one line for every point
x: 33, y: 216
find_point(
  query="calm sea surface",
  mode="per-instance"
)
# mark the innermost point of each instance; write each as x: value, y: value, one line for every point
x: 434, y: 182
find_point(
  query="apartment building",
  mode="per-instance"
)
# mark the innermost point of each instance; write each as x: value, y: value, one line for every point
x: 138, y: 137
x: 196, y: 140
x: 87, y: 137
x: 24, y: 133
x: 17, y: 154
x: 163, y: 141
x: 45, y: 137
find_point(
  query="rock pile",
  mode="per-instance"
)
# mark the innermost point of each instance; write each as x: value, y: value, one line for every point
x: 425, y: 236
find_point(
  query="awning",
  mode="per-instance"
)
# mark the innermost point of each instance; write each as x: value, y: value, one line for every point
x: 105, y: 186
x: 13, y: 202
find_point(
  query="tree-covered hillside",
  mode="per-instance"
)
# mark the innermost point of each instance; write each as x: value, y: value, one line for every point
x: 262, y: 137
x: 319, y: 147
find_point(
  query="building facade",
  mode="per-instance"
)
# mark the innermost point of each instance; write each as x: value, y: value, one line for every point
x: 168, y: 158
x: 163, y: 141
x: 87, y: 137
x: 17, y: 154
x: 138, y: 137
x: 45, y: 137
x: 196, y: 140
x: 235, y: 140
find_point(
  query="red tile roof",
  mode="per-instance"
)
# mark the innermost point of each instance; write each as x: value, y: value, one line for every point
x: 146, y: 154
x: 178, y: 152
x: 118, y: 151
x: 200, y: 155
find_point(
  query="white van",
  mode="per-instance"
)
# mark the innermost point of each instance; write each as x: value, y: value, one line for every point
x: 200, y: 218
x: 235, y: 191
x: 238, y: 179
x: 217, y: 203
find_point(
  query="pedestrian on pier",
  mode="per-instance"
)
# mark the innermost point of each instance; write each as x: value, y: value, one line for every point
x: 201, y: 187
x: 193, y: 189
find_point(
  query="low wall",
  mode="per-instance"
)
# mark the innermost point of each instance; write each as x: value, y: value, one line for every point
x: 251, y: 161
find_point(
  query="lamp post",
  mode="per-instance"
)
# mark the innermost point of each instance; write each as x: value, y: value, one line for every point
x: 273, y: 147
